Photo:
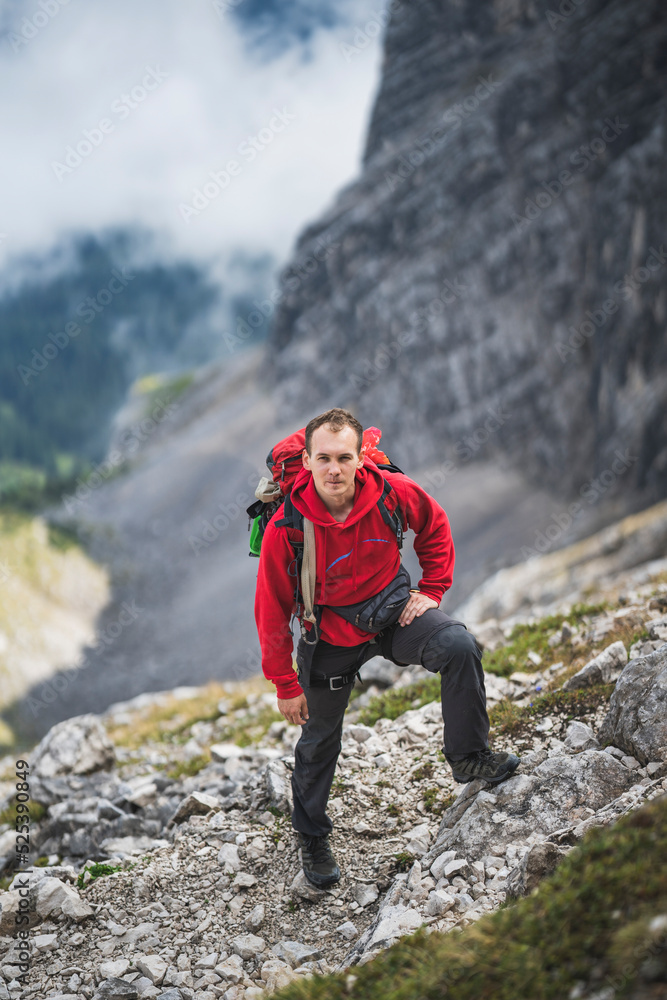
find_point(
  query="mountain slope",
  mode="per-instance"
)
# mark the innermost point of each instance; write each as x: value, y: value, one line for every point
x: 497, y: 270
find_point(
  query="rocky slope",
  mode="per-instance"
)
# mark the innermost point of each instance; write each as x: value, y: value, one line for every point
x: 169, y: 527
x: 496, y: 273
x: 168, y: 868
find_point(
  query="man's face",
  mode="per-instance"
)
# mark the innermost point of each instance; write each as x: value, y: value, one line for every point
x: 333, y: 462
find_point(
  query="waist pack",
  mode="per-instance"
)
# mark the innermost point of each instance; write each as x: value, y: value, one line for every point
x: 381, y: 610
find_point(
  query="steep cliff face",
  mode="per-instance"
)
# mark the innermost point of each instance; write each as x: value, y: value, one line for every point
x: 496, y: 280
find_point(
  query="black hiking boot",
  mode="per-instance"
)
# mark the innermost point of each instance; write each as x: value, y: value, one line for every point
x: 492, y: 767
x: 319, y: 864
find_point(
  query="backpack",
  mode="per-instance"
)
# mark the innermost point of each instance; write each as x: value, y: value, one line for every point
x: 284, y: 463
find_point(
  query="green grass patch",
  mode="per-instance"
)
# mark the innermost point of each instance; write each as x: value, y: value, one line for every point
x: 435, y: 801
x: 422, y: 772
x: 508, y: 718
x: 526, y: 638
x: 9, y: 814
x: 252, y: 727
x: 395, y: 701
x: 188, y: 768
x: 588, y: 924
x: 403, y: 861
x: 96, y: 871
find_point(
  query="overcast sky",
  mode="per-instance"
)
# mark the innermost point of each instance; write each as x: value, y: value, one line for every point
x: 208, y: 78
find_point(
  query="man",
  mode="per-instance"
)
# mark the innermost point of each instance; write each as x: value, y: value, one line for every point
x: 357, y: 556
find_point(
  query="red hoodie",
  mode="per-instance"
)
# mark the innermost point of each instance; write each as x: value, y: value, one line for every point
x: 355, y: 560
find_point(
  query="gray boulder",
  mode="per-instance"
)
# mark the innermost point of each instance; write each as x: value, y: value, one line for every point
x: 76, y: 746
x: 541, y: 860
x: 557, y: 790
x: 116, y: 989
x: 602, y: 669
x: 637, y: 717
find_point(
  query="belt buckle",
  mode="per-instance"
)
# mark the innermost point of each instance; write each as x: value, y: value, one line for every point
x: 339, y: 677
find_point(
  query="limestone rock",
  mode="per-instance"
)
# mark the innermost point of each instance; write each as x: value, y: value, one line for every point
x: 276, y: 785
x: 391, y: 922
x: 248, y: 945
x: 295, y: 953
x: 255, y: 918
x: 79, y: 745
x: 602, y: 669
x: 228, y: 857
x: 152, y: 966
x: 438, y: 866
x: 364, y: 894
x: 196, y: 803
x: 53, y: 896
x: 541, y: 860
x: 439, y: 902
x: 276, y: 974
x: 535, y: 803
x: 579, y: 736
x: 637, y: 717
x: 114, y: 970
x: 304, y: 889
x: 10, y: 906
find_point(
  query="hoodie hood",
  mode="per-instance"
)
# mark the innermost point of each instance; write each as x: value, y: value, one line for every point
x: 341, y: 541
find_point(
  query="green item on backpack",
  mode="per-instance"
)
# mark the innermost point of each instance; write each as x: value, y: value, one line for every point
x: 256, y: 536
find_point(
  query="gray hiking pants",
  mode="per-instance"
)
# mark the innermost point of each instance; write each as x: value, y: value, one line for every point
x: 441, y: 644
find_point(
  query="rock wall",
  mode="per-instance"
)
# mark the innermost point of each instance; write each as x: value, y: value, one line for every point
x: 497, y: 272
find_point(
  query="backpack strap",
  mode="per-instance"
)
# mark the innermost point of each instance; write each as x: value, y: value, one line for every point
x: 391, y: 518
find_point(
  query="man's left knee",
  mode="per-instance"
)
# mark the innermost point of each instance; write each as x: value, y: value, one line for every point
x: 453, y: 640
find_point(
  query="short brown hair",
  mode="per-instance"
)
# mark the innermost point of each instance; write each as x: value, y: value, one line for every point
x: 336, y: 418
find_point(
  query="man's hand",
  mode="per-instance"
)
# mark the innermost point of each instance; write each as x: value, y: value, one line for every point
x: 417, y: 604
x: 294, y: 709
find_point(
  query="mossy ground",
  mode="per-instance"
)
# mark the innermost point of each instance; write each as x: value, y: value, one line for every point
x: 588, y: 925
x: 169, y: 720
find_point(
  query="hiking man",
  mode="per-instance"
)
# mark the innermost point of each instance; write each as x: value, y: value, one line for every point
x: 355, y: 517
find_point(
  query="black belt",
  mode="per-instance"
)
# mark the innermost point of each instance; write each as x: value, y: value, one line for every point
x: 334, y: 683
